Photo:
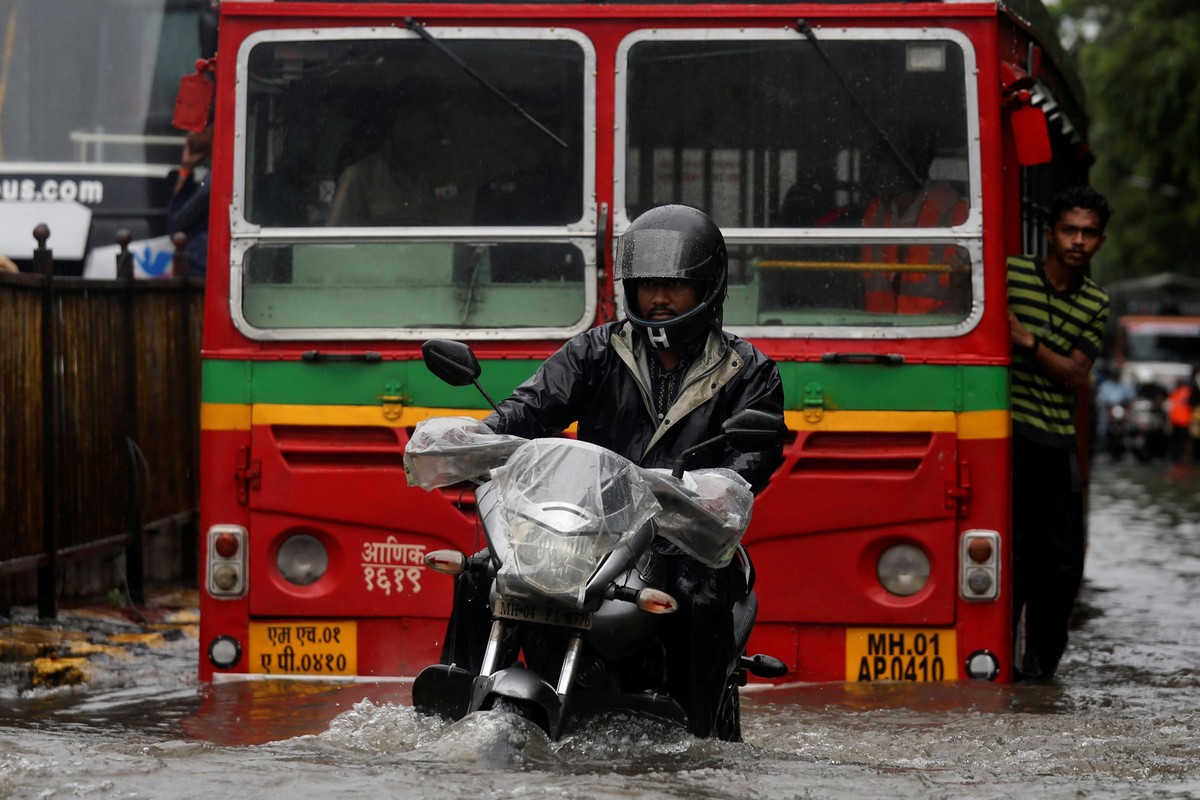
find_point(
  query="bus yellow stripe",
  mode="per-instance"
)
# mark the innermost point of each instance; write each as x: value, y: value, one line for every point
x: 967, y: 424
x: 984, y: 425
x: 224, y: 417
x: 396, y: 416
x: 237, y: 416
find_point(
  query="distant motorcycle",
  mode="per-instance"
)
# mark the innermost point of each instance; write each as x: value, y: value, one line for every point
x: 1115, y: 433
x: 1146, y: 429
x: 569, y: 527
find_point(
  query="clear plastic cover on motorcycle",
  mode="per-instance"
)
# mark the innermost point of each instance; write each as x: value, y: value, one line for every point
x: 705, y: 513
x: 447, y: 450
x: 565, y: 505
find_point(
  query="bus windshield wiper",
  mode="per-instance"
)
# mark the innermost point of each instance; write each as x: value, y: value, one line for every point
x: 421, y: 31
x: 803, y: 27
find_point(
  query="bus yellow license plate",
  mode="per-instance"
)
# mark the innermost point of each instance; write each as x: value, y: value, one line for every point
x: 901, y: 654
x: 310, y: 647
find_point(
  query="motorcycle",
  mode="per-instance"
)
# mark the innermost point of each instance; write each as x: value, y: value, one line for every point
x: 1116, y: 430
x: 569, y: 527
x: 1147, y: 430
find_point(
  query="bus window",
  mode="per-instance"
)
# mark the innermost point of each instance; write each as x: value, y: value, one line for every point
x: 407, y: 138
x: 416, y: 286
x: 831, y: 285
x: 871, y: 152
x: 86, y: 94
x: 480, y: 188
x: 92, y: 107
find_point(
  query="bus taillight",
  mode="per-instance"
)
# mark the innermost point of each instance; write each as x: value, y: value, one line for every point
x: 980, y: 565
x: 226, y: 561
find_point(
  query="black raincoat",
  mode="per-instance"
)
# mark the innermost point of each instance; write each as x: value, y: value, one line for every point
x: 600, y: 380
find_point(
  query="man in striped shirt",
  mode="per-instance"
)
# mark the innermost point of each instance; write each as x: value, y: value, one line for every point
x: 1056, y: 316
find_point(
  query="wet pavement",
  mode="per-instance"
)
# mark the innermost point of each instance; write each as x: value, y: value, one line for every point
x: 1122, y: 722
x: 41, y: 655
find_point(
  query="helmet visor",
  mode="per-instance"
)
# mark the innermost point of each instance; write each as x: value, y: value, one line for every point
x: 652, y: 254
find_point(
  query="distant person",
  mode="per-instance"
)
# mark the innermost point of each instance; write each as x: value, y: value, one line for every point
x: 187, y: 211
x: 1056, y: 315
x: 1111, y: 393
x: 1179, y: 412
x: 1194, y: 427
x: 1183, y: 406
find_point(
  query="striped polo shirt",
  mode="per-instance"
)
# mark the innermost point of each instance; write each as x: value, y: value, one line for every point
x: 1043, y: 411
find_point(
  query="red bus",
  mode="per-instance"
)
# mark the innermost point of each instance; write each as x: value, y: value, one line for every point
x: 389, y: 173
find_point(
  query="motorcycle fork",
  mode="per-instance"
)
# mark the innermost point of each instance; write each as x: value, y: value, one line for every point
x: 492, y: 652
x: 570, y: 665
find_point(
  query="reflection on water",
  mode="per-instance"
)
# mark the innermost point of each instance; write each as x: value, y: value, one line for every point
x: 256, y: 712
x: 1121, y: 723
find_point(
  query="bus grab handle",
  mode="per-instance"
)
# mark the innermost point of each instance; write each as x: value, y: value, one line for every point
x: 887, y: 359
x: 317, y: 357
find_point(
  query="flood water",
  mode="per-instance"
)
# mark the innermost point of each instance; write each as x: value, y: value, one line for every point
x: 1123, y: 721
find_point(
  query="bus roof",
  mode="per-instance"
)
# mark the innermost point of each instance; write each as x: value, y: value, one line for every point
x: 1031, y: 16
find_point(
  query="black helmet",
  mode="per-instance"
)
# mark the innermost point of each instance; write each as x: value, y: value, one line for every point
x: 677, y: 242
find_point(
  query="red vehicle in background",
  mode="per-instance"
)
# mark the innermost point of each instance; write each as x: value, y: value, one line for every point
x: 389, y: 173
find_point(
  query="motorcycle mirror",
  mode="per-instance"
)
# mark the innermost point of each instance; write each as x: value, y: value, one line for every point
x: 453, y: 362
x: 456, y: 364
x: 753, y: 431
x: 748, y: 431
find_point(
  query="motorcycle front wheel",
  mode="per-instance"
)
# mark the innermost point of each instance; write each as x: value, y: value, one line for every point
x: 728, y: 723
x: 521, y: 708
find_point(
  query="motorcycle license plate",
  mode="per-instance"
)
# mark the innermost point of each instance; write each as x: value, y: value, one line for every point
x: 304, y: 647
x: 544, y: 615
x: 901, y: 654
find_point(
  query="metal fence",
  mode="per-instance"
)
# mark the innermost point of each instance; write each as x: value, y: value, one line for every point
x: 99, y: 430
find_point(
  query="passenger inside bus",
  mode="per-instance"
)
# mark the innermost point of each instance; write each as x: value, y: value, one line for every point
x: 417, y: 175
x: 908, y: 200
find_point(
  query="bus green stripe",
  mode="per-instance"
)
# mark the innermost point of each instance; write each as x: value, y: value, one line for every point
x: 351, y: 383
x: 910, y: 387
x: 847, y: 387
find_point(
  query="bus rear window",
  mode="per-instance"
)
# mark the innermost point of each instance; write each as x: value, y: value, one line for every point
x: 405, y: 137
x: 413, y: 286
x: 845, y: 171
x: 391, y: 193
x: 776, y: 286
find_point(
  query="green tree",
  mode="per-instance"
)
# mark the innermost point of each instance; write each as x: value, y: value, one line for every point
x: 1140, y: 64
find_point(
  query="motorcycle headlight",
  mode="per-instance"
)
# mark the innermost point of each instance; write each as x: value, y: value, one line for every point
x: 553, y: 550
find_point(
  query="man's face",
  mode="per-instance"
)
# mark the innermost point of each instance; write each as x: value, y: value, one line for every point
x: 664, y: 298
x: 1075, y: 237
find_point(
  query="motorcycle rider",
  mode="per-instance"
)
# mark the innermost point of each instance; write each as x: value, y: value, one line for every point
x: 649, y: 388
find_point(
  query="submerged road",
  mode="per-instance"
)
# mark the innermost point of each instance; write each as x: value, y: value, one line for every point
x: 1122, y: 722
